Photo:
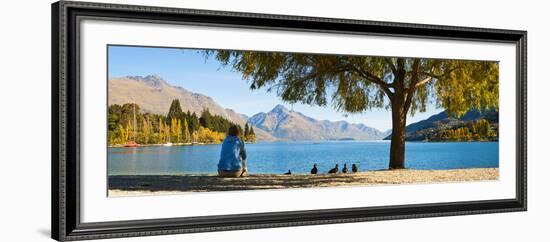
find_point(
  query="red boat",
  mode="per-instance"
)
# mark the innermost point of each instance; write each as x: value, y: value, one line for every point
x: 131, y: 144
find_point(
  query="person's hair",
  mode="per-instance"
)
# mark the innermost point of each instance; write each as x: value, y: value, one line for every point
x: 233, y: 130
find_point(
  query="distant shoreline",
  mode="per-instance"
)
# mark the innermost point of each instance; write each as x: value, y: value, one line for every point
x: 173, y: 144
x: 450, y: 141
x: 138, y: 185
x: 313, y: 141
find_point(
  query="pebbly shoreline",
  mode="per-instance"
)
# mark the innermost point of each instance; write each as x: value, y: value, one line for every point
x: 138, y: 185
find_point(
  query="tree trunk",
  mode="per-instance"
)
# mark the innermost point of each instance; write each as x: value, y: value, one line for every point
x: 399, y: 120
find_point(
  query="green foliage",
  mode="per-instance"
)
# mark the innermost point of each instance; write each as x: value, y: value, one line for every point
x: 478, y: 130
x: 358, y: 83
x: 208, y: 136
x: 114, y: 113
x: 175, y: 110
x: 246, y: 131
x: 462, y: 85
x: 186, y: 135
x: 206, y: 119
x: 193, y: 122
x: 251, y: 136
x: 158, y: 129
x: 241, y: 132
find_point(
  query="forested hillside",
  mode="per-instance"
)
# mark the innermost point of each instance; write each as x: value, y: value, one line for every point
x: 127, y: 123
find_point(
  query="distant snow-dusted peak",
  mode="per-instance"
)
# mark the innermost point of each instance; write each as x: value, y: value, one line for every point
x: 151, y: 80
x: 279, y: 109
x: 285, y: 124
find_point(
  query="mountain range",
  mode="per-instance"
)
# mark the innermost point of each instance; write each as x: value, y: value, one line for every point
x: 154, y: 95
x: 281, y: 122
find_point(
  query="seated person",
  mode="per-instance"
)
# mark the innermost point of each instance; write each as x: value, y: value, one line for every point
x: 233, y: 155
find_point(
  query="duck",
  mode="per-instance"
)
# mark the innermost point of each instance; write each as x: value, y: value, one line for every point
x: 314, y: 169
x: 333, y: 170
x: 288, y: 173
x: 345, y: 169
x: 353, y: 168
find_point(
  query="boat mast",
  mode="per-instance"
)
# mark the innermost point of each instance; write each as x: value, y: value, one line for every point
x: 134, y: 129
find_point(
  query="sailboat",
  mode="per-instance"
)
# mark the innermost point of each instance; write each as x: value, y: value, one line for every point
x: 168, y: 143
x: 132, y: 143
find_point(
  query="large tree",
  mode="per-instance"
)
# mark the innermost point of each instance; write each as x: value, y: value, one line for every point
x: 355, y: 84
x: 175, y: 111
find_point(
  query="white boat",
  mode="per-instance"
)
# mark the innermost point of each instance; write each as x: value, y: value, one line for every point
x: 168, y: 144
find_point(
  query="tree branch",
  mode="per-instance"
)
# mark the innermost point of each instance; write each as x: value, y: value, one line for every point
x: 420, y: 83
x: 413, y: 85
x: 368, y: 75
x: 438, y: 76
x: 385, y: 86
x: 432, y: 75
x: 390, y: 63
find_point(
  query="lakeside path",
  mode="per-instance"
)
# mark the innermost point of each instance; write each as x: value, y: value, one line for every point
x: 137, y: 185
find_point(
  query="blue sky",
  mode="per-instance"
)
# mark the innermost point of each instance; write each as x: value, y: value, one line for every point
x: 189, y: 69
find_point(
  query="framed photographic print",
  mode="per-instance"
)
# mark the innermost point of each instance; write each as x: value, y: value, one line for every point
x: 168, y: 120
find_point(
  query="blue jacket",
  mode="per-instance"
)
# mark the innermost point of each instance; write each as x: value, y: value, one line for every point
x: 231, y: 154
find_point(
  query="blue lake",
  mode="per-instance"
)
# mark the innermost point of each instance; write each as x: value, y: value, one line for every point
x: 278, y: 157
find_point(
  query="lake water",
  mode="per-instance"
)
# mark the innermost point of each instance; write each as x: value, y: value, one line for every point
x: 278, y: 157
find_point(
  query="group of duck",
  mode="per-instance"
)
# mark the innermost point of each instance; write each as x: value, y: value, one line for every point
x: 334, y: 170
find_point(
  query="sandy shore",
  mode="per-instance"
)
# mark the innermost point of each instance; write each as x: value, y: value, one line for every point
x: 174, y: 184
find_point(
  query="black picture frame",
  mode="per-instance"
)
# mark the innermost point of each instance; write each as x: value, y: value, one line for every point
x: 66, y: 224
